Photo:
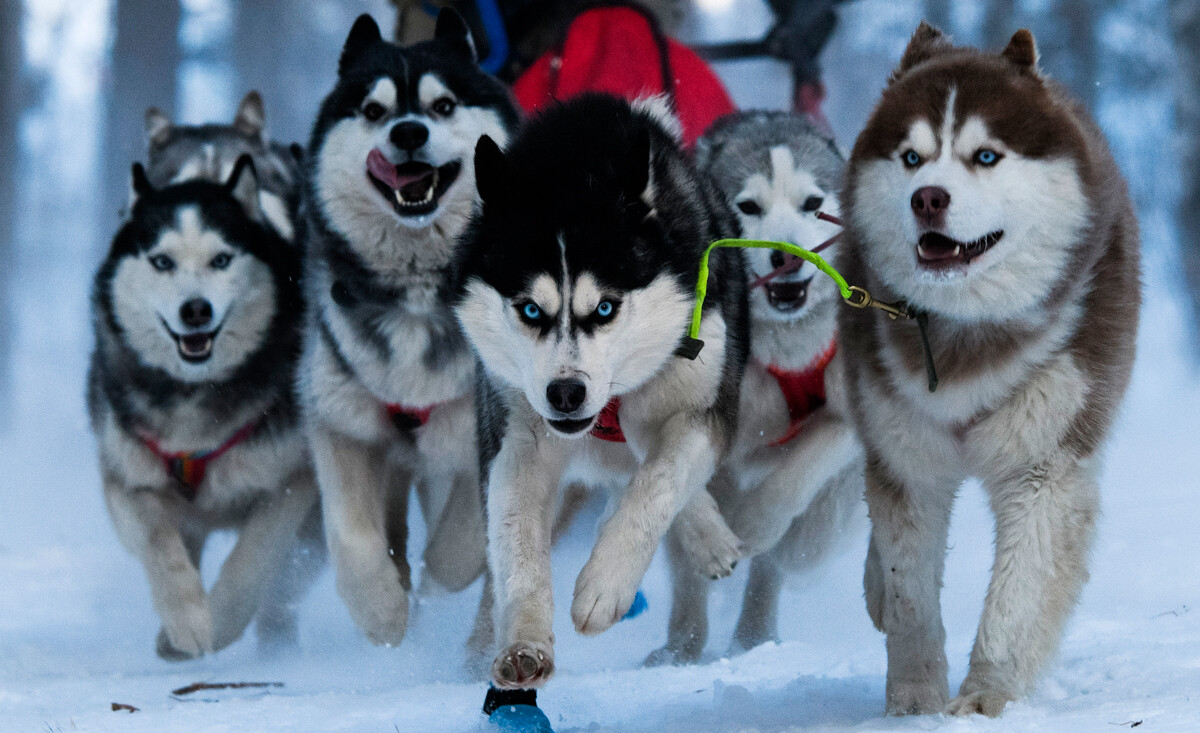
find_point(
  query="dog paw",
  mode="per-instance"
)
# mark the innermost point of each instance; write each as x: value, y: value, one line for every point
x: 910, y: 697
x: 604, y: 592
x: 378, y: 604
x: 668, y: 656
x: 711, y: 547
x: 981, y: 702
x: 187, y: 632
x: 523, y: 665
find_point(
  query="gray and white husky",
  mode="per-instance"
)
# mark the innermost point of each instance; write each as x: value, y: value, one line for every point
x: 576, y: 289
x: 793, y: 474
x: 386, y: 378
x: 197, y: 313
x: 987, y: 199
x: 176, y: 153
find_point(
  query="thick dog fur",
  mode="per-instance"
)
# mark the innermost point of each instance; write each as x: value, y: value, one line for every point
x: 177, y: 153
x: 380, y: 331
x: 192, y: 242
x: 579, y: 273
x: 788, y: 502
x: 1033, y: 341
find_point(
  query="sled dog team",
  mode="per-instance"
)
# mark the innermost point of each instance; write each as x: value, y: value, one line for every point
x: 438, y: 298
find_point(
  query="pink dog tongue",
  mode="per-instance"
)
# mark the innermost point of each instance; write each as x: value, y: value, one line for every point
x: 379, y: 167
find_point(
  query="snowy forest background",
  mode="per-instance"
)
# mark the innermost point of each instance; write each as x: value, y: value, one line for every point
x: 76, y: 625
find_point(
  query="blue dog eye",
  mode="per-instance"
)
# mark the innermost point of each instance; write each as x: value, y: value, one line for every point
x: 912, y: 158
x: 532, y: 312
x: 987, y: 157
x: 605, y: 309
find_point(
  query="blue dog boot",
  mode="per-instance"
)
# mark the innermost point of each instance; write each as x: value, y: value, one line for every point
x: 639, y: 605
x: 515, y: 711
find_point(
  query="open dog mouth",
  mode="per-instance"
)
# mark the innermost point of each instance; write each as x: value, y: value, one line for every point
x: 937, y: 251
x: 787, y: 297
x: 412, y: 188
x: 194, y: 348
x: 572, y: 427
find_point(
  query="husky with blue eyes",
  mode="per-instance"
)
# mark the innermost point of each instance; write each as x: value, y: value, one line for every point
x: 197, y: 315
x: 985, y: 198
x: 575, y: 286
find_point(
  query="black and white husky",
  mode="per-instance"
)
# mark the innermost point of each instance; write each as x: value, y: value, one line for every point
x: 793, y: 474
x: 197, y: 323
x: 176, y: 153
x: 576, y: 290
x: 386, y: 378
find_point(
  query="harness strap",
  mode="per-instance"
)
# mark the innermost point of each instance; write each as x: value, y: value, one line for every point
x: 188, y: 467
x: 803, y: 390
x: 608, y: 425
x: 405, y: 418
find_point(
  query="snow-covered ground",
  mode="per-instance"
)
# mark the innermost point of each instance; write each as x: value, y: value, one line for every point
x: 77, y: 628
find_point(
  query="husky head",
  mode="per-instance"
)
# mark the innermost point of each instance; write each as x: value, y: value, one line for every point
x: 575, y: 281
x: 778, y: 171
x: 195, y: 282
x: 394, y: 140
x: 966, y: 189
x: 177, y: 153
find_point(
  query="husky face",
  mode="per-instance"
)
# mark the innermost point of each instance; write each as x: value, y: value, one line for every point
x: 778, y: 172
x: 970, y: 206
x: 570, y: 289
x: 188, y: 284
x: 394, y: 141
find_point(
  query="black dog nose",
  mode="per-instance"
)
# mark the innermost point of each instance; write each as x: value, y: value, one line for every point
x: 779, y: 259
x: 409, y: 135
x: 566, y: 395
x: 195, y: 312
x: 930, y: 204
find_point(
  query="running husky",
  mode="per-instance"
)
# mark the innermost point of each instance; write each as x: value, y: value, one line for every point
x: 197, y: 323
x: 793, y: 474
x: 985, y: 198
x: 178, y: 153
x: 576, y: 288
x: 386, y: 377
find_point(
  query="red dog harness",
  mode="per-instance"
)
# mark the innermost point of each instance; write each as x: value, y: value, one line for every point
x: 188, y: 468
x: 608, y: 425
x: 803, y: 390
x: 408, y: 418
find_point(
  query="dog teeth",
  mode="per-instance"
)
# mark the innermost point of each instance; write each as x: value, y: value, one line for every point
x: 957, y: 250
x: 428, y: 198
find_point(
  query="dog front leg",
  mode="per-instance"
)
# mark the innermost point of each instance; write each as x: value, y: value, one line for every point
x: 456, y: 552
x: 761, y: 516
x: 680, y: 463
x: 371, y: 581
x: 1045, y: 520
x: 520, y: 500
x: 903, y: 586
x: 270, y: 531
x: 145, y: 523
x: 687, y: 630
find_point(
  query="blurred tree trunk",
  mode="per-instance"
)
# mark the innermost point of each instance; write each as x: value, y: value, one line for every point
x: 145, y: 63
x: 999, y: 23
x: 1185, y: 24
x: 273, y: 44
x: 1080, y: 18
x: 11, y: 106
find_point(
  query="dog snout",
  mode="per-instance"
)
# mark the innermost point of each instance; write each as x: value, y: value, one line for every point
x: 409, y: 135
x: 196, y: 312
x: 929, y: 204
x: 566, y: 395
x: 779, y: 259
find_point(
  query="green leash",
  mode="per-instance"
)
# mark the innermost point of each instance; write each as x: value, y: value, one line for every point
x: 853, y: 295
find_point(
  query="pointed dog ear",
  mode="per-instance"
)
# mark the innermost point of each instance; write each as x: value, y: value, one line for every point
x: 251, y: 118
x: 633, y: 170
x: 243, y: 186
x: 364, y: 33
x: 1022, y: 50
x: 926, y: 42
x: 494, y: 172
x: 139, y: 185
x: 452, y: 29
x: 158, y: 126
